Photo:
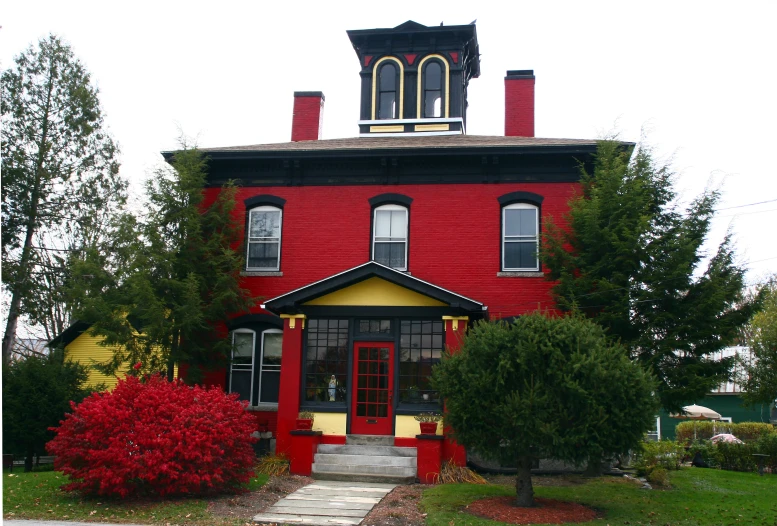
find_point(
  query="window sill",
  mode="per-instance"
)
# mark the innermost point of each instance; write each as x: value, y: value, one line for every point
x: 521, y: 274
x: 264, y: 406
x: 260, y: 273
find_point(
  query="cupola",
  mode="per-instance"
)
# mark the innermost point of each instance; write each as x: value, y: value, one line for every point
x: 414, y: 78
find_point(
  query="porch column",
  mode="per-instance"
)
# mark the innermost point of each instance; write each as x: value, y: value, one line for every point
x: 291, y: 372
x: 455, y: 329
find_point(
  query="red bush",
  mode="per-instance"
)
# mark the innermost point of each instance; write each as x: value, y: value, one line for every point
x: 155, y: 438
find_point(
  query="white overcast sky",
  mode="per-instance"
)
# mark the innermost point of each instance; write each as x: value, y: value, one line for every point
x: 698, y: 77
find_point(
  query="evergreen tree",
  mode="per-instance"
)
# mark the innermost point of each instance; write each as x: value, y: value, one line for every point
x: 543, y: 387
x: 60, y: 176
x: 175, y: 277
x: 626, y: 256
x: 760, y: 372
x: 37, y: 392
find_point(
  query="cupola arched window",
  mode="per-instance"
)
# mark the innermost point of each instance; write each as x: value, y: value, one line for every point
x: 387, y: 91
x: 432, y: 88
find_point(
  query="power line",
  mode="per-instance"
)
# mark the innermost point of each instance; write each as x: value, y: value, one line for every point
x: 748, y: 204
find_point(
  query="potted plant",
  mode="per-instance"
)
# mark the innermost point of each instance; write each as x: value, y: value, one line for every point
x: 305, y: 421
x: 428, y: 422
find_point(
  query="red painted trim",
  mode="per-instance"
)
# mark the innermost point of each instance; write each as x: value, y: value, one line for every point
x: 410, y: 57
x: 367, y: 60
x: 373, y: 425
x: 333, y: 439
x: 455, y: 56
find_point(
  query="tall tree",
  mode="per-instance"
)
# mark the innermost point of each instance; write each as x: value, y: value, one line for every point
x: 60, y: 175
x: 37, y: 392
x: 544, y: 387
x: 175, y: 278
x: 627, y: 256
x: 759, y: 381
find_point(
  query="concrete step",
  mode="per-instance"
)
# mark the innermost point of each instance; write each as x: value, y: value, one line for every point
x: 354, y: 477
x: 363, y: 460
x: 371, y: 451
x: 369, y: 440
x: 402, y: 471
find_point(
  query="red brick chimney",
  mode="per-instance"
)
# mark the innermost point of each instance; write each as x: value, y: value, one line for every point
x: 519, y: 103
x: 308, y: 116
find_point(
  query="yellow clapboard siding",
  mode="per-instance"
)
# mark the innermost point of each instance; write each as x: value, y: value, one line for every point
x: 86, y: 350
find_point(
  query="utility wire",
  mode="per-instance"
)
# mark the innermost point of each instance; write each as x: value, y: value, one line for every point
x: 748, y: 204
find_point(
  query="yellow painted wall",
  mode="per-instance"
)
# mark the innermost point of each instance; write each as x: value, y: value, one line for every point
x: 407, y: 426
x: 376, y: 292
x: 87, y: 350
x: 329, y: 423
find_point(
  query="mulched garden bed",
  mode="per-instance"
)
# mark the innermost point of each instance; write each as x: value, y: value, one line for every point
x: 546, y: 511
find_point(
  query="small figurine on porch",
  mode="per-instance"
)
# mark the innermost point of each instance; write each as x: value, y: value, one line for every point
x: 332, y: 388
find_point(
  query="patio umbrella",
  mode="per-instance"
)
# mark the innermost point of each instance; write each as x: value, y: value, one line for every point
x: 726, y: 437
x: 696, y: 412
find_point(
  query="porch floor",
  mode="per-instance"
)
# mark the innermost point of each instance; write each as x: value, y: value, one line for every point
x: 326, y: 503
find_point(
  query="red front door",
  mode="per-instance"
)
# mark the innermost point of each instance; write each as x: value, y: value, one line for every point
x: 372, y: 404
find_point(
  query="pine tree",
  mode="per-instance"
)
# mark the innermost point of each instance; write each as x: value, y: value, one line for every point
x: 543, y: 387
x: 627, y: 256
x: 59, y: 177
x: 175, y: 278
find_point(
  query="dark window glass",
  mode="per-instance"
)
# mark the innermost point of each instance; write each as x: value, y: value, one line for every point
x: 264, y: 238
x: 326, y: 361
x: 420, y: 348
x: 375, y: 326
x: 390, y: 236
x: 432, y: 90
x: 387, y: 94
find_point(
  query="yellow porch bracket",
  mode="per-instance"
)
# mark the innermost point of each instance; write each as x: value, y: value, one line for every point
x: 455, y: 321
x: 293, y: 319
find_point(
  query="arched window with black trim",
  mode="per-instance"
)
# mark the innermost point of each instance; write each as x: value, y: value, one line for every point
x: 387, y: 91
x: 389, y: 236
x: 520, y: 237
x: 432, y: 89
x: 264, y: 238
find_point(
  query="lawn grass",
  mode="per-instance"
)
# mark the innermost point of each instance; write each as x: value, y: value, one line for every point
x: 37, y: 496
x: 696, y: 497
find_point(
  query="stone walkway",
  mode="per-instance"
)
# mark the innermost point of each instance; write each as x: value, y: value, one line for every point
x: 326, y: 503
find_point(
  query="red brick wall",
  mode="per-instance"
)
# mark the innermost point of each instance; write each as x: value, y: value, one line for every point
x: 306, y: 121
x: 454, y: 238
x: 519, y: 107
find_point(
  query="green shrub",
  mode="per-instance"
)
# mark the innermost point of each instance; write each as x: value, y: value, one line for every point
x: 684, y: 432
x: 664, y: 453
x: 767, y: 445
x: 736, y: 457
x: 658, y: 476
x: 708, y: 450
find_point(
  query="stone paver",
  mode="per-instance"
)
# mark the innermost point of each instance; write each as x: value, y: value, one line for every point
x: 327, y: 503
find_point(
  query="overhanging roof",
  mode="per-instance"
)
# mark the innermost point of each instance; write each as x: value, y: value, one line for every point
x: 292, y: 301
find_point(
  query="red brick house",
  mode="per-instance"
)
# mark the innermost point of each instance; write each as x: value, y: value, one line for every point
x: 373, y: 254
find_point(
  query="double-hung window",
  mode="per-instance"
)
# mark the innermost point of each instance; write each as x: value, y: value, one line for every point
x: 387, y: 91
x: 520, y: 237
x: 264, y: 238
x: 389, y: 240
x: 256, y: 374
x: 432, y: 88
x: 241, y: 377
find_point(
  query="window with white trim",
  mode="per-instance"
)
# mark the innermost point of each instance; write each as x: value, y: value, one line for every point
x: 256, y: 375
x: 264, y: 239
x: 389, y: 236
x: 270, y: 368
x: 520, y: 237
x: 241, y: 377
